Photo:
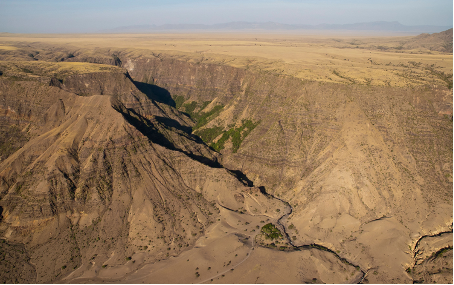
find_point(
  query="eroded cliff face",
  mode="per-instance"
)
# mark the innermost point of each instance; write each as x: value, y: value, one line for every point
x: 299, y: 120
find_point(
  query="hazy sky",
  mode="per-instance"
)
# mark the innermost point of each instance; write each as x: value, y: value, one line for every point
x: 66, y: 16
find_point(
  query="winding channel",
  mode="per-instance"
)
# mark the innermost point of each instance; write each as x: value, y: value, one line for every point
x: 294, y: 247
x: 313, y: 245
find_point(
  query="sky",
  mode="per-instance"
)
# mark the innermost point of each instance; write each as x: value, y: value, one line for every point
x: 85, y: 16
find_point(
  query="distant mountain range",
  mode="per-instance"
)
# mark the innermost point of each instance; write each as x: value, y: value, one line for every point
x: 273, y: 26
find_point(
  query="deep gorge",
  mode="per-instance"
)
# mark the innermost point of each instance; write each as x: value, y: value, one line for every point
x: 182, y: 136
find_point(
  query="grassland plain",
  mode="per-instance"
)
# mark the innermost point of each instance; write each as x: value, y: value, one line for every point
x: 349, y: 137
x: 347, y: 59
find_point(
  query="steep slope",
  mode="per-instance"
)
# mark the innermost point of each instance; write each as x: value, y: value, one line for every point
x: 80, y: 174
x: 437, y: 41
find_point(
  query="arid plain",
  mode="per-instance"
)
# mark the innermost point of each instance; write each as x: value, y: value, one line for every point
x: 378, y: 60
x: 226, y: 158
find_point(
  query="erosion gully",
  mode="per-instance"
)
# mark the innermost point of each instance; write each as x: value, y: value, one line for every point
x: 416, y: 250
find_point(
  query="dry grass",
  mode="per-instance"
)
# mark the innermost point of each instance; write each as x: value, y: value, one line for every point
x: 3, y: 47
x: 330, y: 58
x: 53, y: 69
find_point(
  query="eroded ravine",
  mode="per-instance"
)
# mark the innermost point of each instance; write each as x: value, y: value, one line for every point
x: 354, y: 120
x: 142, y: 70
x: 431, y: 257
x: 428, y: 236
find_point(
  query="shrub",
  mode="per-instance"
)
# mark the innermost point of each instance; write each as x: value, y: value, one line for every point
x: 190, y: 107
x: 179, y: 100
x: 202, y: 117
x: 209, y: 134
x: 271, y: 232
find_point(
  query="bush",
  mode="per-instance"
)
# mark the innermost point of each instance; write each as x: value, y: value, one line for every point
x: 271, y: 232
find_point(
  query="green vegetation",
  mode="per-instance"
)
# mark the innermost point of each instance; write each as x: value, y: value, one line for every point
x: 237, y: 135
x: 335, y: 72
x: 446, y: 77
x: 189, y: 108
x: 195, y: 110
x: 179, y: 100
x: 440, y: 252
x: 271, y: 232
x: 203, y: 118
x: 219, y: 145
x: 209, y: 134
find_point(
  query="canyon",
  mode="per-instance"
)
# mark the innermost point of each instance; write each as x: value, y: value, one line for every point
x: 123, y: 163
